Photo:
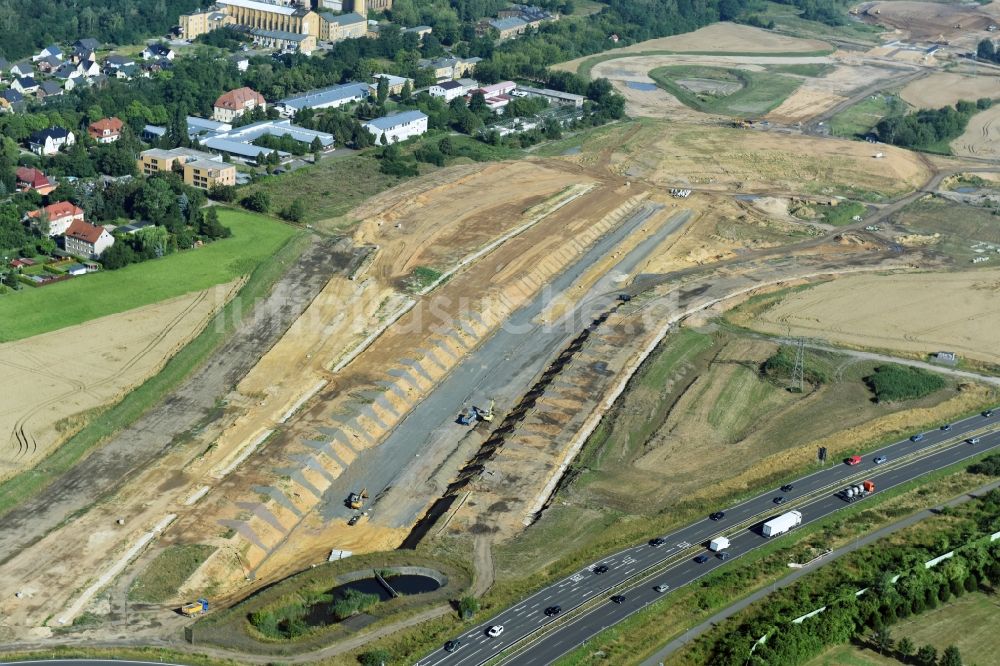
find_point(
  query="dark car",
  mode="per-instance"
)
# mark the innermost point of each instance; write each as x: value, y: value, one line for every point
x: 722, y: 556
x: 988, y: 413
x: 701, y: 559
x: 946, y: 427
x: 657, y: 542
x: 354, y: 519
x: 451, y: 646
x: 618, y: 598
x: 779, y: 500
x: 718, y: 515
x: 916, y: 438
x: 601, y: 568
x: 787, y: 488
x: 553, y: 610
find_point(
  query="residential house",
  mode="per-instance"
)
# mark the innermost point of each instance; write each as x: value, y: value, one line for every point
x: 67, y: 74
x: 396, y: 83
x: 325, y: 98
x: 49, y: 51
x: 200, y: 169
x: 49, y: 141
x: 48, y: 65
x: 206, y: 174
x: 11, y: 101
x: 344, y: 26
x: 31, y: 179
x: 25, y: 85
x: 157, y: 51
x: 22, y: 68
x: 84, y: 49
x: 116, y: 61
x: 49, y: 89
x: 397, y: 127
x: 235, y: 103
x: 419, y: 30
x: 447, y: 67
x: 89, y: 68
x: 60, y: 216
x: 87, y: 43
x: 282, y: 40
x: 242, y: 63
x: 86, y: 240
x: 105, y: 130
x: 508, y: 27
x: 449, y: 90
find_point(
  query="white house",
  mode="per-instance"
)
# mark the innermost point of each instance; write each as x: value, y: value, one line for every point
x: 86, y: 240
x: 25, y: 85
x: 449, y: 90
x: 22, y: 68
x: 49, y: 51
x: 398, y: 127
x: 157, y: 50
x: 49, y: 141
x: 60, y: 216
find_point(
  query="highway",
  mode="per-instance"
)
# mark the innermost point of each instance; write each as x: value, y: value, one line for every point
x: 635, y: 571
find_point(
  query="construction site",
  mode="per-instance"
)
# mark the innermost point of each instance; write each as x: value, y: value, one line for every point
x: 444, y: 375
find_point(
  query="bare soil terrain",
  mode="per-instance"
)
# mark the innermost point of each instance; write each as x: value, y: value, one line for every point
x: 914, y: 313
x: 947, y: 88
x: 955, y: 24
x: 981, y: 137
x: 64, y: 374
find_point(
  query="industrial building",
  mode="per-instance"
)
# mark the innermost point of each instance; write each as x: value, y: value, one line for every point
x: 325, y: 98
x: 397, y: 127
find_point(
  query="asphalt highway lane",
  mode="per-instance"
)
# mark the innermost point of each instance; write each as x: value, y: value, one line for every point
x: 814, y: 495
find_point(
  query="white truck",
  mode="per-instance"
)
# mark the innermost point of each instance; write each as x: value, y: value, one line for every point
x: 782, y: 524
x: 718, y: 544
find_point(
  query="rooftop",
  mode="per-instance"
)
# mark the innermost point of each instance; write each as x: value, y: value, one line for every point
x: 326, y: 95
x: 396, y: 119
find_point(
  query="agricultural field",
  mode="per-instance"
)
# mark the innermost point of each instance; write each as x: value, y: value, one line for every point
x: 969, y: 622
x: 960, y: 231
x: 861, y: 118
x: 38, y: 310
x: 981, y: 137
x: 948, y: 88
x: 728, y: 91
x: 916, y: 313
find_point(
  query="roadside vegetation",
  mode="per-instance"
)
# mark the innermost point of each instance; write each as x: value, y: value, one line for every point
x: 729, y: 91
x: 163, y: 577
x: 859, y: 120
x: 893, y: 383
x: 930, y: 130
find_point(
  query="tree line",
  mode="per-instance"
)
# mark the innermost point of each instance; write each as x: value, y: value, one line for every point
x: 927, y: 129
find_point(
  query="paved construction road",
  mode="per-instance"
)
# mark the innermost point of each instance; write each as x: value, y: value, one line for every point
x: 673, y: 563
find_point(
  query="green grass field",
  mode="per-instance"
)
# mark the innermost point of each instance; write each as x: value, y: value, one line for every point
x: 758, y: 92
x: 587, y: 65
x: 163, y: 576
x: 787, y: 18
x: 812, y: 70
x: 38, y: 310
x: 962, y: 227
x: 862, y: 117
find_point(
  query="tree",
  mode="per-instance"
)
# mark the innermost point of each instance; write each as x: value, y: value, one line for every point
x: 951, y: 657
x: 446, y: 146
x: 295, y: 211
x: 117, y: 256
x: 377, y: 657
x: 477, y: 103
x: 407, y: 92
x: 382, y: 90
x: 468, y: 606
x: 926, y: 656
x: 882, y: 640
x: 225, y: 193
x: 986, y: 50
x: 211, y: 227
x: 258, y: 201
x: 905, y: 648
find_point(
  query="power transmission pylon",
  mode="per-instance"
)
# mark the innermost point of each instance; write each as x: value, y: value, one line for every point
x: 798, y: 370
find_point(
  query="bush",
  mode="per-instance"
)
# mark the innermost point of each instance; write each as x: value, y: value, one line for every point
x: 468, y: 606
x: 226, y: 193
x: 374, y: 657
x: 892, y: 383
x: 258, y: 201
x: 780, y: 366
x: 989, y: 466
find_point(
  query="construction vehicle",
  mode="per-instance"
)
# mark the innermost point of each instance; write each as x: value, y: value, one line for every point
x: 468, y: 416
x: 857, y: 491
x: 195, y: 608
x: 781, y: 524
x: 486, y: 415
x: 357, y: 500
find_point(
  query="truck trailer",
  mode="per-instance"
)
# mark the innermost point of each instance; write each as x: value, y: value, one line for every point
x: 856, y: 491
x: 782, y: 524
x: 718, y: 544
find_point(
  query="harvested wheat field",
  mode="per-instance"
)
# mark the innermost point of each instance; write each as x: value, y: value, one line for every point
x: 915, y: 313
x: 725, y: 159
x: 716, y: 38
x: 63, y: 374
x: 945, y: 88
x: 981, y: 137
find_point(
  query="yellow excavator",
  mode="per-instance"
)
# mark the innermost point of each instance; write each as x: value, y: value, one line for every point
x: 357, y: 500
x: 488, y: 414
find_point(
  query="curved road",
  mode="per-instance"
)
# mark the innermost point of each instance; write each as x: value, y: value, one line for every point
x: 635, y: 571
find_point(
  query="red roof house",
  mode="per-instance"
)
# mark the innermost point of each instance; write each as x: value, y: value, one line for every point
x: 105, y: 130
x: 29, y: 178
x: 84, y: 239
x: 235, y: 103
x: 60, y: 215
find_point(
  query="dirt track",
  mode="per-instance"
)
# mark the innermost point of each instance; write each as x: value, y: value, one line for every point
x: 191, y: 404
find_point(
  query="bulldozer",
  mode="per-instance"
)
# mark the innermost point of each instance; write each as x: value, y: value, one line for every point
x: 357, y: 500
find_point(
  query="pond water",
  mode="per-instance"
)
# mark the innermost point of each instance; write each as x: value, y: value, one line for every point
x: 637, y: 85
x: 405, y: 584
x: 747, y: 197
x: 965, y: 190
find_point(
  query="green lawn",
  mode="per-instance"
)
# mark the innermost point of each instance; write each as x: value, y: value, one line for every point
x: 163, y: 577
x: 862, y: 117
x: 587, y: 65
x: 755, y: 93
x: 812, y: 70
x: 41, y: 309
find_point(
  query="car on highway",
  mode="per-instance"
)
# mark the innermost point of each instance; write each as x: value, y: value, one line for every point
x: 451, y: 646
x: 662, y: 587
x: 917, y: 437
x: 946, y: 427
x: 701, y: 559
x: 853, y: 460
x: 495, y: 630
x: 553, y: 610
x: 618, y: 598
x: 973, y: 440
x: 657, y: 542
x: 879, y: 460
x: 718, y: 515
x: 601, y: 568
x: 780, y: 499
x: 988, y: 413
x: 787, y: 488
x: 723, y: 556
